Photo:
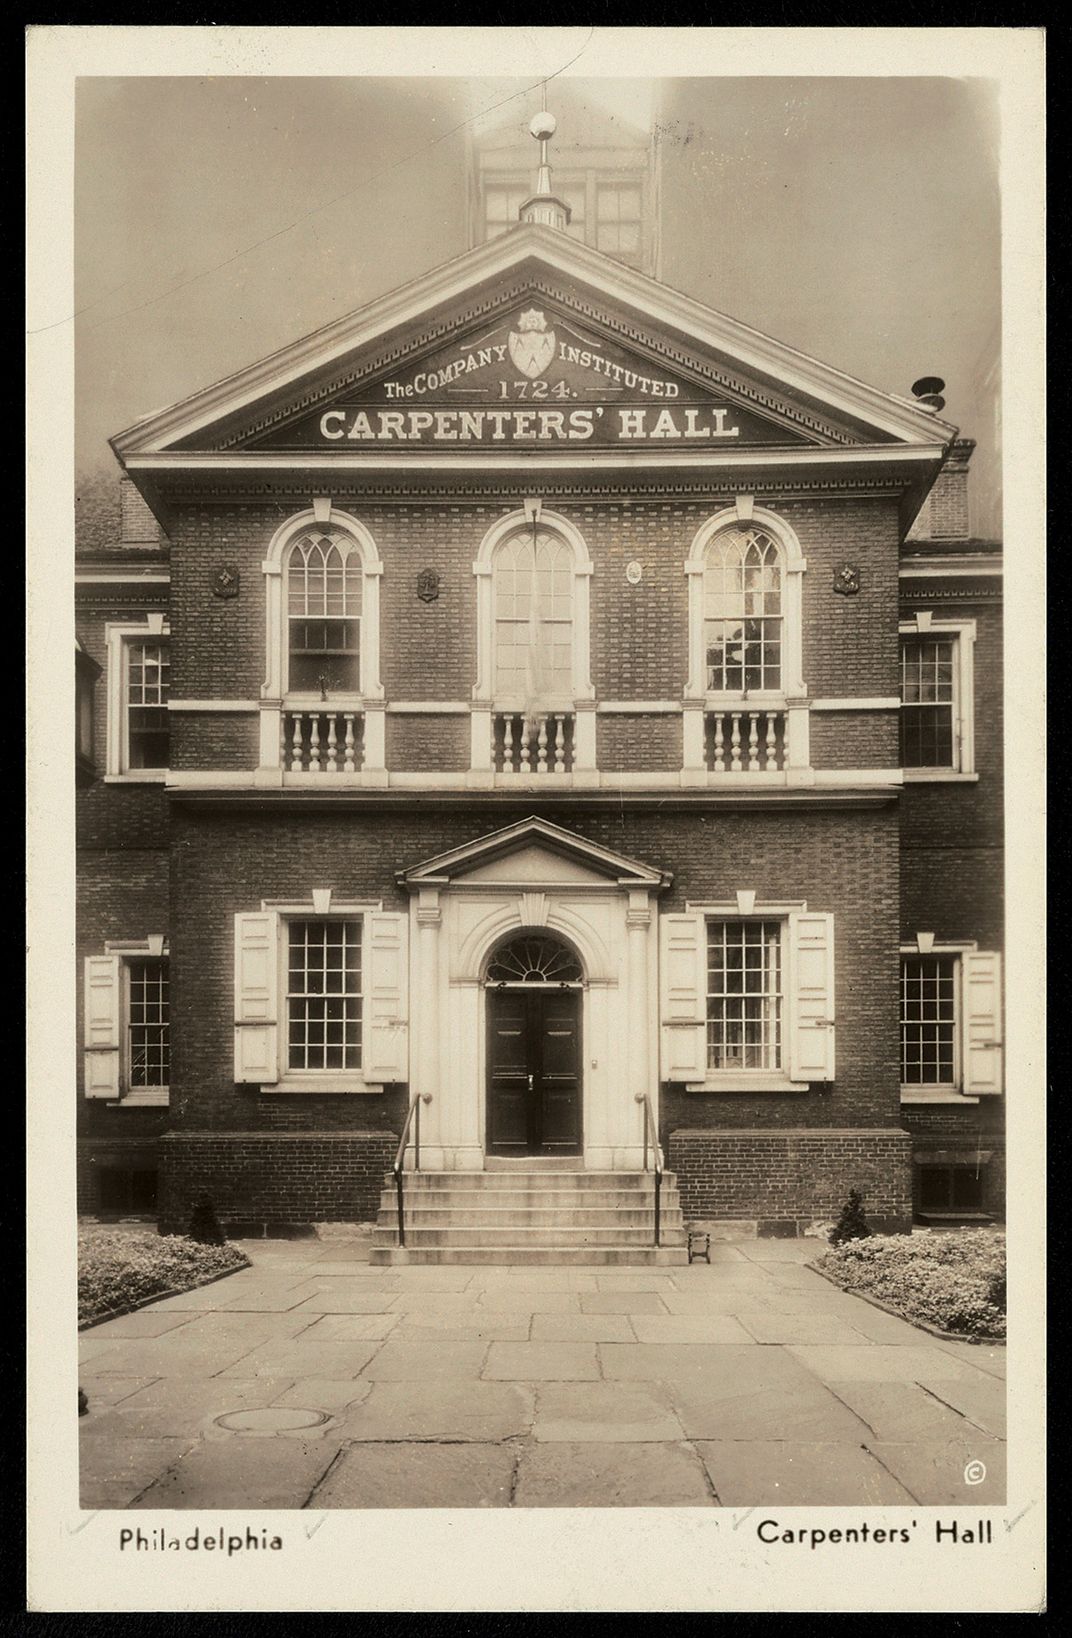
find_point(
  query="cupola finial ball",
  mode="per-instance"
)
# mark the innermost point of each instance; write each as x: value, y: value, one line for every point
x: 542, y: 126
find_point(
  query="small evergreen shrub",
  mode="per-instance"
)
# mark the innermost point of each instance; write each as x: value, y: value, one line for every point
x: 205, y: 1226
x: 852, y: 1224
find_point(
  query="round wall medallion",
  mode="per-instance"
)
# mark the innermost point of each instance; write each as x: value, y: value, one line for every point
x: 634, y: 572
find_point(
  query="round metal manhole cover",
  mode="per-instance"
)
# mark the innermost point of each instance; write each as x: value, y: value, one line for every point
x: 271, y: 1419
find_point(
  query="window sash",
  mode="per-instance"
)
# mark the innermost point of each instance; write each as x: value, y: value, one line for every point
x: 148, y: 1007
x: 929, y: 1016
x: 929, y: 705
x: 323, y: 994
x: 744, y: 995
x: 148, y: 678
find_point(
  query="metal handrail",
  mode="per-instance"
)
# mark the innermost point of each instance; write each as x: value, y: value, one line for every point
x: 657, y: 1154
x: 413, y: 1118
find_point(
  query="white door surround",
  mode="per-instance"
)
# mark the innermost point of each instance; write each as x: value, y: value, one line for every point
x: 603, y: 906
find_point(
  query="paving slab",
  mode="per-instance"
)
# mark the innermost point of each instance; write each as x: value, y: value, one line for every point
x: 688, y: 1328
x: 731, y: 1300
x: 421, y: 1278
x: 803, y: 1414
x: 323, y: 1393
x: 770, y: 1327
x: 902, y: 1412
x: 659, y: 1361
x: 978, y: 1397
x: 435, y: 1302
x: 351, y: 1328
x: 484, y: 1412
x: 298, y: 1357
x: 611, y: 1475
x: 541, y: 1362
x: 604, y: 1412
x: 427, y: 1361
x: 329, y: 1301
x: 981, y: 1356
x: 627, y: 1280
x: 762, y: 1472
x: 371, y: 1475
x: 535, y: 1302
x: 492, y: 1327
x: 622, y: 1302
x: 165, y: 1356
x: 938, y: 1475
x: 114, y: 1472
x: 776, y: 1250
x: 243, y: 1471
x: 112, y: 1390
x: 144, y: 1322
x: 875, y: 1325
x: 221, y: 1328
x: 878, y: 1362
x: 582, y: 1328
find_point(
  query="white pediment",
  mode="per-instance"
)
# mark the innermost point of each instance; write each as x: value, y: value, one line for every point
x: 534, y: 864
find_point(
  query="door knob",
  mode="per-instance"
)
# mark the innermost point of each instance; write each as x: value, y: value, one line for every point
x: 532, y: 1082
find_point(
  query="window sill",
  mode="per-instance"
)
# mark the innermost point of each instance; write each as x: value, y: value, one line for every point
x: 147, y: 1098
x: 938, y: 776
x: 327, y: 1086
x: 934, y: 1094
x: 138, y: 776
x: 761, y: 1082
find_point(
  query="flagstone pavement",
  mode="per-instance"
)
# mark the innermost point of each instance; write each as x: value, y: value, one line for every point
x: 312, y: 1380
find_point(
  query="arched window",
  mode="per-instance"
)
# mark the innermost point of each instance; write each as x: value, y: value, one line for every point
x: 534, y: 958
x: 324, y: 586
x: 745, y: 573
x: 322, y: 582
x: 742, y: 591
x: 532, y: 593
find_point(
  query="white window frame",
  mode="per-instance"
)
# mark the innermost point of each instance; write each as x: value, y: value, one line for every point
x: 775, y: 1075
x: 152, y: 947
x: 323, y: 515
x: 794, y: 564
x: 119, y: 634
x: 948, y: 1092
x: 317, y: 1080
x: 483, y: 570
x: 962, y: 632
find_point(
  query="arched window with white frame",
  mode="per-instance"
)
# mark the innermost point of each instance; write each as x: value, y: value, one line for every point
x: 322, y: 673
x: 745, y: 572
x: 533, y: 699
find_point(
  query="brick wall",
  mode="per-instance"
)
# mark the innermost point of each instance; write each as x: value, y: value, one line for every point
x: 259, y: 1181
x: 784, y: 1181
x: 650, y: 742
x: 203, y: 739
x: 420, y: 744
x: 863, y: 739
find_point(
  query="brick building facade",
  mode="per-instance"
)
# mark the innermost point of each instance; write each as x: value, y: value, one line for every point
x: 539, y: 693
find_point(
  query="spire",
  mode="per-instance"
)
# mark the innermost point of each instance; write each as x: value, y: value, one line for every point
x: 544, y: 207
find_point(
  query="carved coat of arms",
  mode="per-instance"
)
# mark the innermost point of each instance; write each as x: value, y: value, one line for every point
x: 226, y: 580
x: 532, y: 344
x: 847, y: 579
x: 428, y: 585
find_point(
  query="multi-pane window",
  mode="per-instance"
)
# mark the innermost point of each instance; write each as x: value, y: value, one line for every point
x: 324, y: 614
x: 148, y: 670
x: 148, y: 1043
x: 928, y: 1020
x: 743, y: 611
x: 324, y: 994
x: 502, y: 204
x: 928, y: 702
x: 744, y: 994
x: 533, y: 612
x: 618, y: 216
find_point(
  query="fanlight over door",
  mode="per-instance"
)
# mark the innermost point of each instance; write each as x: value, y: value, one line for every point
x: 534, y: 1048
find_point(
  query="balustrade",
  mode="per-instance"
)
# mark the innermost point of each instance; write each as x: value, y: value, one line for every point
x: 326, y: 742
x: 536, y: 744
x: 741, y: 739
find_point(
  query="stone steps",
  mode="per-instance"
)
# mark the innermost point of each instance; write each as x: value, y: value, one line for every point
x: 539, y: 1214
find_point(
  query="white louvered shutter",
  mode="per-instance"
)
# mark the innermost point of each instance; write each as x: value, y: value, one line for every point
x: 982, y: 1040
x: 386, y: 999
x: 102, y: 1008
x: 683, y: 996
x: 256, y: 997
x: 810, y: 1011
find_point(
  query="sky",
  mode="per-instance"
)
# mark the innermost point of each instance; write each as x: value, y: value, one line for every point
x: 218, y: 218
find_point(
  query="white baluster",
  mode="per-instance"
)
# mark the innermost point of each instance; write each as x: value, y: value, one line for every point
x: 720, y: 765
x: 282, y: 739
x: 525, y: 753
x: 332, y: 767
x: 348, y: 743
x: 541, y: 747
x: 314, y: 742
x: 508, y: 745
x: 560, y: 746
x: 296, y: 745
x: 772, y: 744
x: 753, y: 742
x: 735, y: 742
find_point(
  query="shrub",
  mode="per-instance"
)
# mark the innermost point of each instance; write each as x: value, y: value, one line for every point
x: 852, y: 1224
x: 953, y: 1281
x: 205, y: 1226
x: 118, y: 1268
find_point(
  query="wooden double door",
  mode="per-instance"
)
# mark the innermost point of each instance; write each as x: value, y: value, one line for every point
x: 534, y: 1071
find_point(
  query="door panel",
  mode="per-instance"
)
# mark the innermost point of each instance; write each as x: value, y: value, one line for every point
x: 534, y: 1079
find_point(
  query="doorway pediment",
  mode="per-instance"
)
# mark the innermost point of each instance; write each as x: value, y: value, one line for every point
x: 533, y: 851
